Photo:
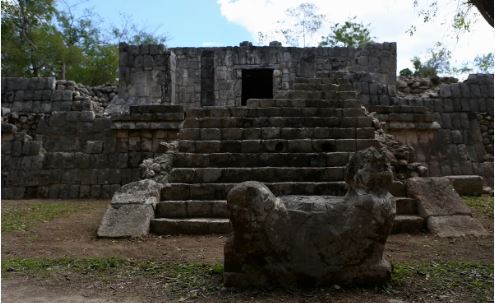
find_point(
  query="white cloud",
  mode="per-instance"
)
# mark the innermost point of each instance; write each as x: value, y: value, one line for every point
x: 389, y: 19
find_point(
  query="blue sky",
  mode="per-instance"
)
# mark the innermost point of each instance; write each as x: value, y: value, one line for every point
x: 197, y: 23
x: 184, y: 22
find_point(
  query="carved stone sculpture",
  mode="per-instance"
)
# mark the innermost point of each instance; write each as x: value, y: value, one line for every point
x: 313, y: 240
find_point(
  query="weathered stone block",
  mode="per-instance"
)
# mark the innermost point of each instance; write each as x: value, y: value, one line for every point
x: 455, y: 226
x: 94, y: 147
x: 436, y: 197
x: 126, y: 221
x: 467, y: 184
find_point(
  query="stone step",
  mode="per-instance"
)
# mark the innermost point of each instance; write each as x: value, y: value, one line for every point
x: 398, y: 189
x: 245, y: 112
x: 192, y: 209
x: 275, y: 145
x: 406, y: 206
x: 261, y: 174
x: 284, y: 102
x: 319, y: 86
x: 157, y: 108
x: 408, y: 224
x: 261, y: 159
x: 286, y: 133
x: 183, y: 217
x: 218, y: 191
x: 298, y: 122
x: 317, y: 94
x: 196, y: 226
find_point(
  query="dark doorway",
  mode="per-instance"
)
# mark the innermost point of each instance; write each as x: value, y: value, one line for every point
x: 257, y: 83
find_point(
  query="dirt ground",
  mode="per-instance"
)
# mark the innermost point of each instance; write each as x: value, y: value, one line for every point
x: 75, y: 236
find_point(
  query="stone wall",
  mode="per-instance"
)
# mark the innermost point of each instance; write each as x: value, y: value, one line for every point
x: 461, y: 141
x: 143, y: 69
x: 72, y: 150
x: 146, y: 73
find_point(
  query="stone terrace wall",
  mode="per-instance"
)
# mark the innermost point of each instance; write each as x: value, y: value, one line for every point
x: 71, y: 150
x: 146, y: 73
x: 462, y: 142
x: 175, y: 76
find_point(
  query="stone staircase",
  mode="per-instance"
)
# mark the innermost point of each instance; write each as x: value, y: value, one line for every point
x: 297, y: 144
x: 407, y: 219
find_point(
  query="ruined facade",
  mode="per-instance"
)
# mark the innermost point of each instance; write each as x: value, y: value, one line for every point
x: 62, y: 140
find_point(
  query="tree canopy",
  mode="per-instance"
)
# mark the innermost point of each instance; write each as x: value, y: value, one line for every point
x: 348, y: 34
x: 38, y: 39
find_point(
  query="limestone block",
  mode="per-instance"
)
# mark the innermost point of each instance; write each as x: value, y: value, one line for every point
x: 94, y: 147
x: 19, y: 96
x: 436, y: 197
x: 455, y: 226
x: 467, y: 184
x: 126, y: 221
x: 139, y: 192
x: 131, y: 210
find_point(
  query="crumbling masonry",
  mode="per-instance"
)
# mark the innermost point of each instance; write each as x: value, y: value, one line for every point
x: 289, y: 117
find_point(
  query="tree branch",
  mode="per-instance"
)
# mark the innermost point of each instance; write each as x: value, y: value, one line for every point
x: 485, y: 7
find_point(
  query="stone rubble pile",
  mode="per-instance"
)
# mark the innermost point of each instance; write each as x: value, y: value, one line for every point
x: 423, y: 86
x: 99, y: 96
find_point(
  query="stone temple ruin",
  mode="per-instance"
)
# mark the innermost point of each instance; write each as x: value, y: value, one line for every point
x: 186, y: 125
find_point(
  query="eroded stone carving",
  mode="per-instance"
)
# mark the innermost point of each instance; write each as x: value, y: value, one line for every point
x: 313, y: 240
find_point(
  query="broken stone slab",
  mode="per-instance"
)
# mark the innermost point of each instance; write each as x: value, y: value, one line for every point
x: 436, y: 197
x: 309, y: 241
x: 131, y: 210
x: 126, y: 221
x: 467, y: 184
x: 445, y: 212
x: 455, y: 226
x: 139, y: 192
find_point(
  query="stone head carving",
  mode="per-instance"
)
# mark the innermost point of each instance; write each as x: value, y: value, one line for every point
x: 369, y: 170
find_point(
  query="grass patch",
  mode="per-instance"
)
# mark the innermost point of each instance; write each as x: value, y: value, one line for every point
x: 480, y: 204
x: 190, y: 278
x: 459, y: 281
x: 22, y: 215
x: 474, y: 279
x: 37, y: 266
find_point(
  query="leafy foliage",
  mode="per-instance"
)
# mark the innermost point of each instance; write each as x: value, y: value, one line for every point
x: 437, y: 62
x: 406, y: 72
x: 40, y: 40
x: 348, y: 34
x: 27, y: 36
x: 459, y: 14
x: 484, y: 63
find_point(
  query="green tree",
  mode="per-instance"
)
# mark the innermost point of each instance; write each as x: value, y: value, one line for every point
x: 27, y: 33
x: 348, y: 34
x: 436, y: 62
x: 484, y: 63
x: 39, y: 40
